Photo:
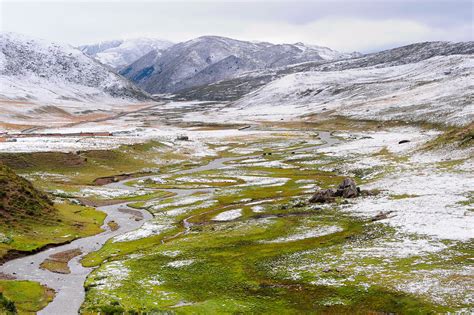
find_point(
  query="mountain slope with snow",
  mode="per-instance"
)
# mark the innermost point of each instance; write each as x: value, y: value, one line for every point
x: 120, y: 53
x: 39, y: 71
x: 208, y: 59
x: 436, y: 90
x: 233, y: 89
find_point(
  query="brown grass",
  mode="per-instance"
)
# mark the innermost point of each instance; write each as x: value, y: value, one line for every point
x: 58, y: 262
x: 113, y: 225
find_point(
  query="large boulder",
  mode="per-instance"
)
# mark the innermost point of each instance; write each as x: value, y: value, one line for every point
x: 347, y: 189
x: 323, y: 196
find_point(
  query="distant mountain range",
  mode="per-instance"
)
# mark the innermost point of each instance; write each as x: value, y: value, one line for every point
x: 38, y: 70
x: 120, y: 53
x: 210, y: 59
x: 429, y: 81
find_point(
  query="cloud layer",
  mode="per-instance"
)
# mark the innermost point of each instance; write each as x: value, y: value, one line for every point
x: 344, y: 25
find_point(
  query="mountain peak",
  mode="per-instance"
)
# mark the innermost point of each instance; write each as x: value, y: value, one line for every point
x: 206, y: 59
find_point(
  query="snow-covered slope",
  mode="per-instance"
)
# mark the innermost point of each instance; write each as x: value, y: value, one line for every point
x: 39, y: 71
x: 438, y: 90
x: 120, y: 53
x: 208, y: 59
x: 235, y: 88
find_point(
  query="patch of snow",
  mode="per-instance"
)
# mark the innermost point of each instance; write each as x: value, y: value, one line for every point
x: 171, y: 253
x: 258, y: 209
x: 204, y: 179
x: 262, y: 181
x: 111, y: 275
x: 436, y: 285
x: 149, y: 228
x: 373, y: 142
x: 182, y: 210
x: 228, y: 215
x: 182, y: 202
x: 180, y: 263
x: 402, y: 247
x: 436, y: 210
x: 306, y: 232
x: 109, y: 193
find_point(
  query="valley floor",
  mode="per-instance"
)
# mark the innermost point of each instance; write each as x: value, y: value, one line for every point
x: 230, y: 228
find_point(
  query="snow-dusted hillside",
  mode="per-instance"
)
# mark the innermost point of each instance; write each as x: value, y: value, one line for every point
x: 438, y: 90
x: 209, y: 59
x: 235, y: 88
x: 120, y: 53
x: 39, y: 71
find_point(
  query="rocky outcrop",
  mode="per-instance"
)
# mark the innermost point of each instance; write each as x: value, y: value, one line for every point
x: 324, y: 196
x: 347, y: 189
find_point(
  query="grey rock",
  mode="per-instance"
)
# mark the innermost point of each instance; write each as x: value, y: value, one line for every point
x: 348, y: 189
x: 324, y: 196
x: 382, y: 215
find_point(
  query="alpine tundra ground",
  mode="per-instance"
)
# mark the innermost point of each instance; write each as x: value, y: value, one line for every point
x: 243, y: 238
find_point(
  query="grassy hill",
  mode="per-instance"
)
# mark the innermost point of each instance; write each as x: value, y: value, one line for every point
x: 19, y: 200
x: 30, y: 220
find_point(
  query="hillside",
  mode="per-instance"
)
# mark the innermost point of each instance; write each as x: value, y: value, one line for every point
x: 30, y: 220
x: 209, y: 59
x: 19, y: 200
x: 39, y: 71
x: 436, y: 90
x: 233, y: 89
x: 120, y: 53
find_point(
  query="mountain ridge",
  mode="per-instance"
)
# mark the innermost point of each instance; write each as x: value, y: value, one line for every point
x: 122, y: 52
x: 232, y: 89
x: 187, y: 64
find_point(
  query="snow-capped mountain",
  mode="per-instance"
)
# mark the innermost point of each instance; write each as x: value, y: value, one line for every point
x: 120, y: 53
x: 41, y: 71
x: 209, y: 59
x: 235, y: 88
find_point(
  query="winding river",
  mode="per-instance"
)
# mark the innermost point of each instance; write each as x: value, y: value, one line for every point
x: 69, y: 288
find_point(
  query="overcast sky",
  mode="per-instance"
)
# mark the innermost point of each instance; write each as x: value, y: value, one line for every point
x: 364, y: 26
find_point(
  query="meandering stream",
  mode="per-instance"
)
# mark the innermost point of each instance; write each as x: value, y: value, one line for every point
x: 70, y: 287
